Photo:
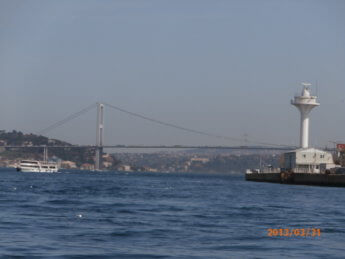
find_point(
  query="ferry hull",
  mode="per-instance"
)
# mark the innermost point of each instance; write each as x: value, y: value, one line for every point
x: 30, y: 170
x: 267, y: 177
x: 33, y: 166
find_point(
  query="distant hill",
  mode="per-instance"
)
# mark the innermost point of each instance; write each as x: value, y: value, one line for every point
x: 186, y: 161
x: 17, y: 138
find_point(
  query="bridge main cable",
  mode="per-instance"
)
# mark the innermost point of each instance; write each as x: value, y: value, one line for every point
x: 188, y: 129
x: 67, y: 119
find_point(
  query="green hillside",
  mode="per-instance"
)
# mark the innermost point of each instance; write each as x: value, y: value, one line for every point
x: 17, y: 138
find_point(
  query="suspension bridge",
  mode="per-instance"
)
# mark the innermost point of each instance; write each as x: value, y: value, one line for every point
x: 100, y: 145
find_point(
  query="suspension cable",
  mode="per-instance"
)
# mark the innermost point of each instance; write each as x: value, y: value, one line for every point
x: 188, y: 129
x: 67, y: 119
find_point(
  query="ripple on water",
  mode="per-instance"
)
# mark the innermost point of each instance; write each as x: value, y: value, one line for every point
x: 160, y: 216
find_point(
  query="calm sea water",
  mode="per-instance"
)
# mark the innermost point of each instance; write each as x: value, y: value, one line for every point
x: 158, y: 215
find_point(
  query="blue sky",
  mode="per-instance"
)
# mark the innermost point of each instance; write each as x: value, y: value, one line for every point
x: 226, y: 67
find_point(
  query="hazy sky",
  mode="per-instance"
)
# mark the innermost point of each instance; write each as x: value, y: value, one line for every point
x: 225, y: 67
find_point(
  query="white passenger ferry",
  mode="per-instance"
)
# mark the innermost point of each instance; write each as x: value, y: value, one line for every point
x: 38, y: 166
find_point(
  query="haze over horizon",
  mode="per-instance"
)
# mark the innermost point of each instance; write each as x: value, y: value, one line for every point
x: 224, y: 67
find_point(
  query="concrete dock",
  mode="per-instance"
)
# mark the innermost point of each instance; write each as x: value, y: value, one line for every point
x: 336, y: 180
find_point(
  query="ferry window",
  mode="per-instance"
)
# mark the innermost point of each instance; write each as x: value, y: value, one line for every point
x: 304, y: 155
x: 52, y: 167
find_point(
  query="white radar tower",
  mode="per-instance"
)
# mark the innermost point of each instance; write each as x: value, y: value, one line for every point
x: 305, y: 103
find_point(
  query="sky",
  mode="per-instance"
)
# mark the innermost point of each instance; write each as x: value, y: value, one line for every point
x: 225, y: 67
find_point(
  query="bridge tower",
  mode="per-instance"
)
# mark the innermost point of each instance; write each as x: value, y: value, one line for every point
x: 99, y: 140
x: 305, y: 103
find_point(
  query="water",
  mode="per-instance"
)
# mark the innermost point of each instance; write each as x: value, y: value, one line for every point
x: 157, y: 215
